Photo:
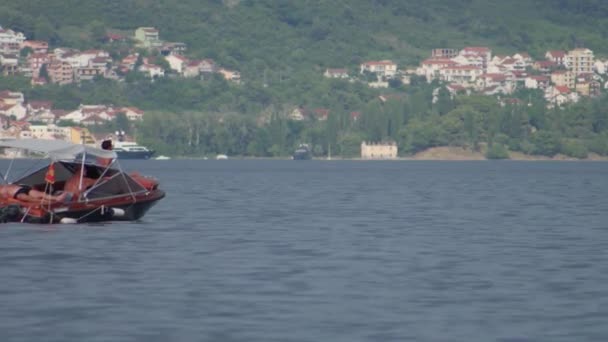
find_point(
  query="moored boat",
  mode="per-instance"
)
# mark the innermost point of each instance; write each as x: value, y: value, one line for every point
x: 131, y: 150
x: 302, y: 152
x: 102, y: 191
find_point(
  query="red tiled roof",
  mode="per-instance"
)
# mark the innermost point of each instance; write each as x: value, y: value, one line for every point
x: 41, y: 104
x: 545, y: 64
x: 540, y: 78
x: 93, y: 118
x: 38, y: 80
x: 20, y: 123
x: 431, y: 61
x: 476, y: 49
x: 7, y: 94
x: 134, y: 109
x: 562, y: 89
x: 59, y: 112
x: 322, y: 112
x: 385, y: 62
x: 38, y: 55
x: 463, y: 67
x: 114, y: 36
x: 4, y: 106
x: 93, y: 52
x: 194, y: 63
x: 180, y: 57
x: 557, y: 53
x: 99, y: 60
x: 456, y: 87
x: 495, y: 77
x: 94, y: 110
x: 39, y: 43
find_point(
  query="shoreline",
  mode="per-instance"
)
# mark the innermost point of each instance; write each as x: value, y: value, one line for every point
x: 442, y: 153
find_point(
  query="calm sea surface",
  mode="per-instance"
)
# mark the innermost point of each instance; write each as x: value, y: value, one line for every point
x: 265, y: 250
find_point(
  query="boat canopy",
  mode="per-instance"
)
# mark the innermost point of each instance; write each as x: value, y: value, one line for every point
x: 57, y: 149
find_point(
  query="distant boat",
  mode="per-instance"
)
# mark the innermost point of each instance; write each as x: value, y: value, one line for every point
x: 130, y: 150
x: 221, y: 157
x: 302, y: 152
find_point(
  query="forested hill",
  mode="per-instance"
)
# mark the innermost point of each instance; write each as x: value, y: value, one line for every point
x: 281, y: 48
x: 251, y: 35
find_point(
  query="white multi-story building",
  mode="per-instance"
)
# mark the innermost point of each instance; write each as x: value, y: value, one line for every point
x: 49, y: 131
x: 430, y: 68
x: 474, y: 56
x: 461, y: 73
x: 384, y: 68
x: 579, y: 61
x: 10, y: 41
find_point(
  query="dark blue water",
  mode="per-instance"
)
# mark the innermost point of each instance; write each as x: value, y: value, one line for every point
x: 325, y: 251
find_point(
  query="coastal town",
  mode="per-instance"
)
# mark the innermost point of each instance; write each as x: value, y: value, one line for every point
x: 563, y: 77
x: 23, y: 118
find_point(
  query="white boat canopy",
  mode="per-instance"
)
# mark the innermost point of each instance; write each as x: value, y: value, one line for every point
x: 57, y: 149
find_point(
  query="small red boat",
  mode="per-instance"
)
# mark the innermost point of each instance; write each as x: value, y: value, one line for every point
x: 99, y: 189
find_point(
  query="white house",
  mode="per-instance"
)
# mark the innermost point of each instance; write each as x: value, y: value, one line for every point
x: 11, y: 97
x: 537, y: 82
x: 556, y: 56
x: 475, y: 56
x: 336, y: 73
x: 85, y: 112
x: 559, y: 95
x: 176, y: 62
x: 10, y: 41
x: 9, y: 63
x: 192, y: 68
x: 152, y: 70
x: 429, y: 68
x: 523, y: 57
x: 16, y: 110
x: 133, y: 113
x: 48, y: 131
x: 384, y: 68
x: 601, y: 67
x: 490, y: 80
x: 10, y: 36
x: 461, y: 73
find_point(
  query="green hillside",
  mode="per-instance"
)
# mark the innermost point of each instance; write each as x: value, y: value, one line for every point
x: 282, y: 47
x: 256, y: 34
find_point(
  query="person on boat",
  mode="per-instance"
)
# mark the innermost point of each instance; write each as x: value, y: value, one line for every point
x: 105, y: 145
x: 72, y: 185
x: 25, y: 193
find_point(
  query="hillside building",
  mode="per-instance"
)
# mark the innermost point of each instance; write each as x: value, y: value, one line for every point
x: 381, y: 150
